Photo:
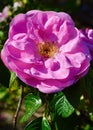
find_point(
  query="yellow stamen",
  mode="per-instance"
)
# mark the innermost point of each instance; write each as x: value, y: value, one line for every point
x: 47, y: 49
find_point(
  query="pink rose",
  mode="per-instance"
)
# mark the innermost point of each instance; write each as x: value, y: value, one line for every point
x: 44, y: 49
x: 87, y: 37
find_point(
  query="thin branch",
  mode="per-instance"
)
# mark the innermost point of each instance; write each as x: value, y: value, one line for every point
x: 18, y: 108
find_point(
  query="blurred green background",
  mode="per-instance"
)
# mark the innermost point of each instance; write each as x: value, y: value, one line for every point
x: 81, y: 12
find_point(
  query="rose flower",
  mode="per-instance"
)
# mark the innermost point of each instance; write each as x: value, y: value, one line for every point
x: 45, y: 50
x: 87, y: 37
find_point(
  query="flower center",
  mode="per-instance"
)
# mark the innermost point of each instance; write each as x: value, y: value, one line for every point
x: 47, y: 49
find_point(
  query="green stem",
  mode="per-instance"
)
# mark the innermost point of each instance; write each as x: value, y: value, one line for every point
x: 18, y: 108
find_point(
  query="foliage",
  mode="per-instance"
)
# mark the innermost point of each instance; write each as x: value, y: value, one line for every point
x: 71, y: 109
x: 32, y: 103
x: 61, y: 105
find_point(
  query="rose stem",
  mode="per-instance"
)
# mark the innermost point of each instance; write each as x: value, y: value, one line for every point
x: 18, y: 108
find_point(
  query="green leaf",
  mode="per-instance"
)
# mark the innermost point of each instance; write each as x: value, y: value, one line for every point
x: 13, y: 83
x: 32, y: 103
x: 12, y: 78
x: 34, y: 125
x: 61, y: 105
x: 45, y: 124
